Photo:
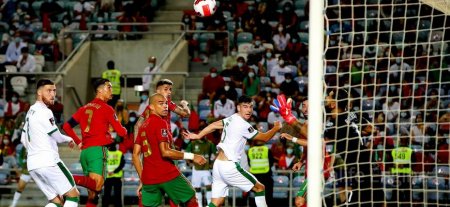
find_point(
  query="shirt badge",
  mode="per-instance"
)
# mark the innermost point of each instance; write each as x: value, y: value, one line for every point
x: 250, y: 129
x: 164, y: 133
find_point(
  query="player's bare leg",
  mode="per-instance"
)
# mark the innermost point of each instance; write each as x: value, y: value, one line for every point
x: 24, y: 179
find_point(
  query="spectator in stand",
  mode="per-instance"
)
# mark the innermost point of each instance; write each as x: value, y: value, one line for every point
x: 277, y: 74
x: 238, y: 72
x: 223, y: 107
x: 13, y: 51
x: 264, y: 80
x: 288, y: 159
x: 8, y: 9
x: 294, y: 48
x: 127, y: 144
x: 280, y: 39
x: 211, y: 84
x: 65, y: 41
x: 229, y: 90
x: 82, y: 10
x: 289, y: 18
x: 152, y: 67
x: 14, y: 106
x: 391, y: 109
x: 289, y: 87
x: 144, y: 102
x: 26, y: 62
x: 5, y: 43
x: 58, y: 109
x: 268, y: 61
x: 26, y: 29
x: 278, y: 149
x: 264, y: 30
x: 45, y: 43
x: 251, y: 86
x: 257, y: 46
x: 444, y: 121
x: 419, y: 131
x: 51, y: 9
x: 230, y: 60
x: 101, y: 27
x: 121, y: 114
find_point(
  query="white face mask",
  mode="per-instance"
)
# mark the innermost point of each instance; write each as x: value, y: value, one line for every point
x: 281, y: 62
x: 151, y: 65
x: 233, y: 53
x: 213, y: 75
x: 288, y: 80
x: 358, y: 64
x: 280, y: 29
x: 226, y: 88
x: 251, y: 74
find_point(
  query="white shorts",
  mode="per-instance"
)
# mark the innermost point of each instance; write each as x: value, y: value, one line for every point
x: 53, y: 181
x: 201, y: 178
x: 229, y: 173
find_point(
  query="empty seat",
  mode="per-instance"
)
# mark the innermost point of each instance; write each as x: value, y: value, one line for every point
x: 282, y: 183
x: 244, y: 37
x: 10, y: 68
x: 19, y: 84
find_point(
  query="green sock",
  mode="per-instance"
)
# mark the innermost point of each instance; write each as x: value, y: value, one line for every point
x: 211, y: 205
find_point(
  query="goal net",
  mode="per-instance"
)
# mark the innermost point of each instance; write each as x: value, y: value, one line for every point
x: 387, y: 71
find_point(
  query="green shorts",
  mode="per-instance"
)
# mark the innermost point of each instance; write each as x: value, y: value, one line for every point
x: 303, y: 189
x: 93, y: 160
x: 179, y: 190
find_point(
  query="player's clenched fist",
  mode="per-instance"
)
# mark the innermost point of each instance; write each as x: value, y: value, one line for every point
x: 277, y: 125
x: 198, y: 159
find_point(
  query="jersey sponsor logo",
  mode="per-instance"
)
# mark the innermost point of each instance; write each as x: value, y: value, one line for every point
x: 164, y: 133
x: 250, y: 129
x: 52, y: 121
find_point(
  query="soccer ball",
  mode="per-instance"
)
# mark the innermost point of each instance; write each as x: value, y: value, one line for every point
x: 205, y: 8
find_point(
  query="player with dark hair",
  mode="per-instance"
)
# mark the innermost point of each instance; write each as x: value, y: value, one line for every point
x: 157, y: 171
x: 95, y: 119
x: 227, y: 170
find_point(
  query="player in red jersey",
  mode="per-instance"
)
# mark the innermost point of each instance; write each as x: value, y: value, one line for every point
x: 164, y: 87
x: 158, y: 173
x: 95, y: 119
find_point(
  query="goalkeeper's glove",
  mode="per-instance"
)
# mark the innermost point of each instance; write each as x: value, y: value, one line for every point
x: 280, y: 105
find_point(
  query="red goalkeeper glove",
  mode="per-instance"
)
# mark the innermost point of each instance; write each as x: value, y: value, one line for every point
x: 280, y: 105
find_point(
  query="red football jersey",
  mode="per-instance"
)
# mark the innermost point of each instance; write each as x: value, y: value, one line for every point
x: 156, y: 169
x: 94, y: 119
x: 172, y: 106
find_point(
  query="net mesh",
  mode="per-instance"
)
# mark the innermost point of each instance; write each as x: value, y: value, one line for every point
x: 388, y: 108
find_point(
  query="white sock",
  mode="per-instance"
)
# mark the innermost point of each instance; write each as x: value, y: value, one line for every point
x: 15, y: 199
x: 260, y: 201
x: 199, y: 198
x: 208, y: 196
x: 68, y: 203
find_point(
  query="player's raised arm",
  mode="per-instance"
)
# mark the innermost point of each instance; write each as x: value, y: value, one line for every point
x: 302, y: 142
x: 172, y: 154
x: 183, y: 110
x: 210, y: 128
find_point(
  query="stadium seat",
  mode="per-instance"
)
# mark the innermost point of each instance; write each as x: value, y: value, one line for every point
x: 207, y: 36
x: 300, y: 5
x: 300, y: 13
x: 273, y: 24
x: 231, y: 26
x: 40, y: 60
x: 204, y: 105
x: 227, y: 16
x: 244, y: 37
x: 298, y: 181
x: 304, y: 37
x: 280, y: 181
x: 304, y: 26
x: 19, y: 84
x: 10, y: 68
x: 244, y: 47
x: 268, y: 45
x: 417, y: 183
x: 435, y: 188
x: 130, y: 177
x: 4, y: 174
x: 236, y: 191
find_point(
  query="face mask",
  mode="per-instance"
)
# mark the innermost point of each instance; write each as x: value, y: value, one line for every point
x: 14, y: 99
x: 251, y: 74
x: 398, y: 61
x: 268, y: 55
x: 132, y: 119
x: 294, y: 40
x: 332, y: 42
x: 6, y: 141
x: 17, y: 39
x: 380, y: 147
x: 263, y: 21
x: 280, y: 29
x: 288, y: 80
x: 186, y: 20
x: 186, y: 141
x: 213, y: 75
x: 403, y: 114
x: 289, y: 151
x: 233, y: 53
x: 66, y: 21
x: 239, y: 64
x: 195, y: 36
x: 356, y: 108
x: 144, y: 97
x: 358, y: 64
x: 386, y: 54
x: 281, y: 62
x: 372, y: 75
x: 151, y: 65
x: 217, y: 21
x: 267, y: 89
x: 393, y: 88
x: 257, y: 43
x: 27, y: 22
x: 11, y: 32
x: 100, y: 19
x: 251, y: 8
x: 226, y: 88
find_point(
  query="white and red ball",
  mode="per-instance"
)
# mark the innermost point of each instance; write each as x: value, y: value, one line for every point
x: 205, y: 8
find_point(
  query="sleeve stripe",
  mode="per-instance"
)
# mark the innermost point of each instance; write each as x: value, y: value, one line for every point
x: 51, y: 132
x: 257, y: 132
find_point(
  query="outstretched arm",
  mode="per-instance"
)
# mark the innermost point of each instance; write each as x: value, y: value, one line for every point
x: 210, y: 128
x: 269, y: 134
x: 302, y: 142
x: 172, y: 154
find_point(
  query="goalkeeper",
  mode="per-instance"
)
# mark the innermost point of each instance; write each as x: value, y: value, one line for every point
x: 301, y: 128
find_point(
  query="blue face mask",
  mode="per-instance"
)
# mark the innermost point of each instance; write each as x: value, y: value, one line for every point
x: 239, y: 64
x: 14, y: 99
x: 144, y: 97
x: 268, y: 55
x: 132, y: 119
x: 289, y: 151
